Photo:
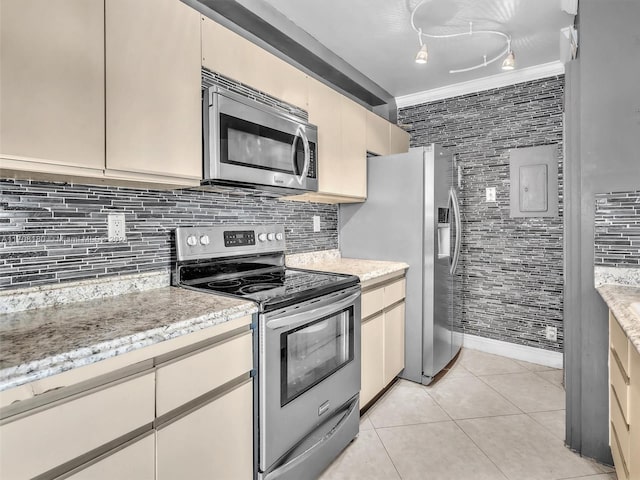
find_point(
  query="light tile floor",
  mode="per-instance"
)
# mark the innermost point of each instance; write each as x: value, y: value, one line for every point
x: 488, y: 418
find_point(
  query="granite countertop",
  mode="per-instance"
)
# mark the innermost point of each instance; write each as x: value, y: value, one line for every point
x: 619, y: 299
x: 366, y: 270
x: 38, y: 343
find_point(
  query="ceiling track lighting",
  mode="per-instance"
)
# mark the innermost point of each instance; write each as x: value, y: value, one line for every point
x: 509, y: 62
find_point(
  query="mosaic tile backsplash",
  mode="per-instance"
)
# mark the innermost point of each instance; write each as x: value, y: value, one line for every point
x: 617, y: 229
x: 56, y: 232
x: 511, y: 285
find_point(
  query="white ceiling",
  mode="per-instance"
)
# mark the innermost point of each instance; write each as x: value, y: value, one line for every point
x: 375, y: 36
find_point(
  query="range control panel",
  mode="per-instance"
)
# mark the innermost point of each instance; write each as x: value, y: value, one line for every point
x: 194, y: 243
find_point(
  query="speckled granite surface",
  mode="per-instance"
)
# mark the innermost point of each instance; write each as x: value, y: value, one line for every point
x: 366, y: 270
x: 81, y: 291
x: 301, y: 260
x: 619, y: 299
x: 616, y: 275
x: 35, y: 344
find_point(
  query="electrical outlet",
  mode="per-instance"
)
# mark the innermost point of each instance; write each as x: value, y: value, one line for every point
x: 316, y: 223
x: 551, y: 333
x: 116, y: 228
x: 491, y: 194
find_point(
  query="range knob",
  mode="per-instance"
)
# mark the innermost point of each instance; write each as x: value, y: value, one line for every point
x: 204, y: 240
x: 271, y: 237
x: 279, y: 236
x: 262, y: 237
x: 192, y: 241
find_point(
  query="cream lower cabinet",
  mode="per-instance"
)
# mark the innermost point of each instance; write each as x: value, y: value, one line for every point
x: 48, y: 436
x: 382, y: 338
x: 624, y: 402
x: 372, y: 358
x: 213, y: 441
x: 135, y: 460
x: 185, y: 411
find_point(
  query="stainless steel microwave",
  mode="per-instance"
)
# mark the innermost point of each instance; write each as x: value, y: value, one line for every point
x: 248, y: 143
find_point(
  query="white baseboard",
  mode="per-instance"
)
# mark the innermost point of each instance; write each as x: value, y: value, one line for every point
x: 515, y: 351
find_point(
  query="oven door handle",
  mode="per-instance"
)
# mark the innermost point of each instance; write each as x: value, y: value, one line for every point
x: 292, y: 321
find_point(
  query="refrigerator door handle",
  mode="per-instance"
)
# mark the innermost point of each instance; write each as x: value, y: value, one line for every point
x: 453, y: 198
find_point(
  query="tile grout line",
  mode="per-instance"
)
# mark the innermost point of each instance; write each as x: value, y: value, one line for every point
x: 387, y: 452
x: 478, y: 446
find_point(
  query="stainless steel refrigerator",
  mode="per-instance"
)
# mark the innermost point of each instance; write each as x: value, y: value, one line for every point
x: 412, y: 215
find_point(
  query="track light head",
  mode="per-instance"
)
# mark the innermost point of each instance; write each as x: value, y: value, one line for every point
x: 509, y: 63
x: 422, y: 55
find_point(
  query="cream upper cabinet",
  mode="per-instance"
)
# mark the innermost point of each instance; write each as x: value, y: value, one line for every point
x: 398, y: 139
x: 353, y: 167
x: 342, y: 152
x: 231, y: 55
x: 52, y: 86
x: 153, y: 106
x: 377, y: 134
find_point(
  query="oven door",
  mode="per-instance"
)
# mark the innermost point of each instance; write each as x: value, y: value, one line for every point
x: 250, y: 143
x: 309, y: 367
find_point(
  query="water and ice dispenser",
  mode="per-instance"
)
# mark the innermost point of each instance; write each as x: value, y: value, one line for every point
x: 444, y: 233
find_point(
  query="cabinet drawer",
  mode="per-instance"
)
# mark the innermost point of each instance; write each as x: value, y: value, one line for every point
x: 136, y: 460
x: 394, y: 292
x: 621, y: 426
x: 186, y: 378
x: 619, y: 384
x: 622, y: 470
x: 619, y: 342
x: 55, y: 434
x: 372, y: 302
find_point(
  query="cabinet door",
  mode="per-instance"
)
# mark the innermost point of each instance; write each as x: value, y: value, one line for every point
x: 214, y: 441
x: 52, y: 85
x: 153, y: 105
x: 135, y: 461
x: 393, y: 342
x: 372, y: 359
x: 377, y: 134
x: 353, y: 167
x: 398, y: 140
x: 233, y: 56
x: 324, y: 111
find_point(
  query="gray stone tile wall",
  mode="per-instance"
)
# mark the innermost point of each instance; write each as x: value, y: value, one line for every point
x: 617, y: 229
x: 56, y: 232
x: 511, y: 281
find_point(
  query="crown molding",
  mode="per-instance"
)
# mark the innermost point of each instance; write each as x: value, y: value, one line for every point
x: 495, y: 81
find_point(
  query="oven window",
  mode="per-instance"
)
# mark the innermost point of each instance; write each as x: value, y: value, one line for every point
x: 311, y: 353
x: 256, y: 146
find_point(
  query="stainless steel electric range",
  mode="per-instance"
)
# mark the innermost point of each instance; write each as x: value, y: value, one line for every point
x: 307, y: 343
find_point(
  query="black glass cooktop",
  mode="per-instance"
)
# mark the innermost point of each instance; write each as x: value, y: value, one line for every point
x: 273, y: 287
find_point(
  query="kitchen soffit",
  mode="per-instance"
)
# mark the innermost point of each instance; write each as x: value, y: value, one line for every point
x: 375, y: 36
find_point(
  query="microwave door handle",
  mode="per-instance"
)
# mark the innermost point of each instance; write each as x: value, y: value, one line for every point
x: 300, y: 133
x: 307, y: 155
x: 298, y: 319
